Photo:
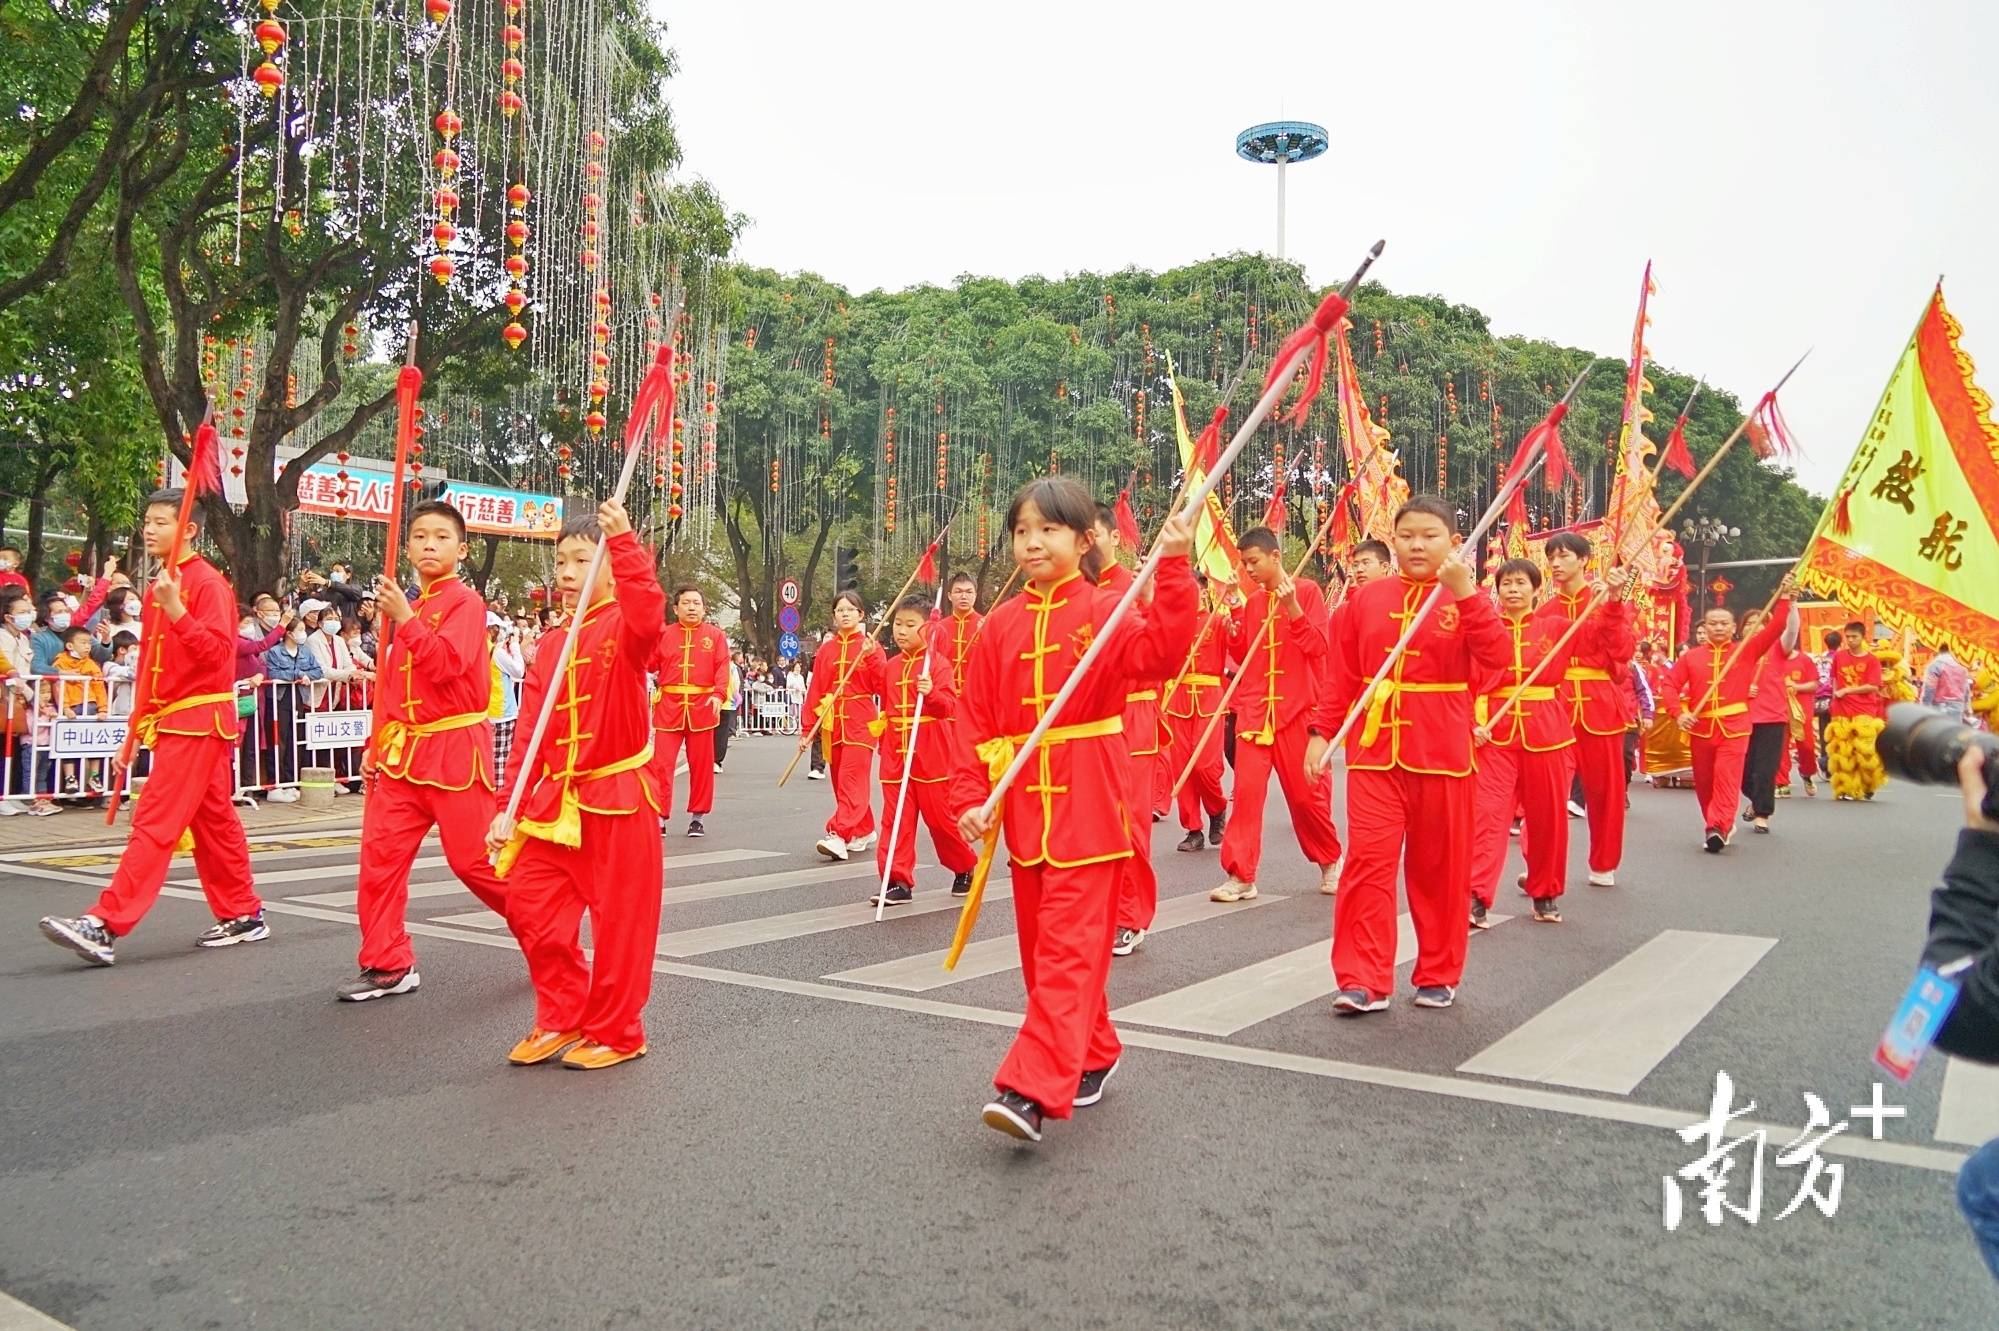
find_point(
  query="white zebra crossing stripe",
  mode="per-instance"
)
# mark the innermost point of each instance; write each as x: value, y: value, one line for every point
x: 763, y: 882
x: 798, y: 924
x: 991, y: 956
x: 1611, y: 1032
x: 1968, y: 1113
x: 474, y: 919
x: 443, y: 887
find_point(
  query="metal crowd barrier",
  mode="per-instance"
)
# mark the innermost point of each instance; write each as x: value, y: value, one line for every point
x: 768, y: 709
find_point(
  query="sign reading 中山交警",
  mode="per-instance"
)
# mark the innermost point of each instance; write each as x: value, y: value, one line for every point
x: 337, y: 730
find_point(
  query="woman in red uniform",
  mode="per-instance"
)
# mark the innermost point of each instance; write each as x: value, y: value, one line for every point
x: 1067, y: 828
x: 840, y: 713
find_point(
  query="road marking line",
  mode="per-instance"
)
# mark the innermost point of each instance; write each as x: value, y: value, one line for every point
x: 18, y: 1316
x: 799, y: 924
x: 75, y: 857
x: 991, y: 956
x: 1968, y: 1113
x: 443, y: 887
x: 1460, y: 1088
x: 1608, y: 1034
x: 474, y: 919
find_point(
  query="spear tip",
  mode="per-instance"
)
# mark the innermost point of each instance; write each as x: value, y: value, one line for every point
x: 409, y: 357
x: 1578, y: 383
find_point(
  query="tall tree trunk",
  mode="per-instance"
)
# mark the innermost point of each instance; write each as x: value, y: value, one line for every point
x: 38, y: 511
x: 487, y: 558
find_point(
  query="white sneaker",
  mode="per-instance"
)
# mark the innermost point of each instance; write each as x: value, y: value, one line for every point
x: 1329, y: 878
x: 832, y: 847
x: 861, y: 843
x: 12, y: 808
x: 1600, y: 879
x: 816, y: 774
x: 1234, y: 890
x: 718, y: 769
x: 1576, y: 810
x: 283, y: 795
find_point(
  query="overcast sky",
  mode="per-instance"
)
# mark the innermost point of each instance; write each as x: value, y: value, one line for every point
x: 1799, y: 173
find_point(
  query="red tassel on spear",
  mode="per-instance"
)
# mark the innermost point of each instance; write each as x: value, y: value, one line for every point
x: 1127, y: 521
x: 926, y: 569
x: 1276, y: 517
x: 409, y: 387
x: 1769, y: 433
x: 1313, y: 334
x: 1547, y: 435
x: 1677, y: 455
x: 1209, y: 446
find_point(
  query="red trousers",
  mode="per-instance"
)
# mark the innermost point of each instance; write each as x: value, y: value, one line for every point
x: 700, y: 744
x: 925, y: 802
x: 1065, y: 918
x: 1538, y: 784
x: 1311, y: 804
x: 194, y: 797
x: 1425, y: 823
x: 1599, y: 759
x: 850, y: 767
x: 1718, y: 779
x: 615, y: 875
x: 1138, y: 885
x: 1807, y: 750
x: 1203, y: 792
x: 398, y: 815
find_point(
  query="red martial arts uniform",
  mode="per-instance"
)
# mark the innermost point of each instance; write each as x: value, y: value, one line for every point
x: 961, y: 631
x: 847, y: 725
x: 1409, y: 776
x: 1850, y: 669
x: 588, y: 834
x: 1801, y: 682
x: 184, y: 711
x: 691, y: 674
x: 1284, y: 661
x: 1066, y: 824
x: 433, y: 750
x: 1138, y: 892
x: 1190, y: 705
x: 1720, y: 733
x: 1525, y: 765
x: 1598, y: 692
x: 930, y: 770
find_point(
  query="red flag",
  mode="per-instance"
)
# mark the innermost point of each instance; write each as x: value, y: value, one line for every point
x: 1677, y: 455
x: 1547, y: 434
x: 1127, y: 521
x: 1312, y: 335
x: 1208, y: 448
x: 927, y: 570
x: 1278, y: 515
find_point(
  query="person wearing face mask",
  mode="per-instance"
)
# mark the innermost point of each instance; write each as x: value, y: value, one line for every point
x: 288, y: 666
x: 46, y: 644
x: 341, y: 673
x: 17, y: 622
x: 11, y: 577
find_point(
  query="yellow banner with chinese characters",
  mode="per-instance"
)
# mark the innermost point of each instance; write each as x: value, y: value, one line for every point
x: 1214, y: 541
x: 1912, y: 535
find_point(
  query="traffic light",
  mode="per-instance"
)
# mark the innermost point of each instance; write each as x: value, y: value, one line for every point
x: 846, y: 568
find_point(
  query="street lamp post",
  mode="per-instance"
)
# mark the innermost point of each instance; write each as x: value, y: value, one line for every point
x: 1707, y: 532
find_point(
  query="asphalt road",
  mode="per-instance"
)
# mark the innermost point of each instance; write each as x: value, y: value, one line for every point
x: 207, y: 1140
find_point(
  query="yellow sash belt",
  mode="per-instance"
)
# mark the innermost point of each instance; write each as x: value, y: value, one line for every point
x: 1000, y: 749
x: 147, y: 727
x: 1532, y: 693
x: 681, y: 690
x: 1143, y: 695
x: 1586, y: 672
x: 394, y: 737
x: 566, y: 828
x: 1211, y: 681
x: 1726, y: 709
x: 1387, y: 689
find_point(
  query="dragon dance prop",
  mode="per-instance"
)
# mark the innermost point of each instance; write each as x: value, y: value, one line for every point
x: 1306, y: 350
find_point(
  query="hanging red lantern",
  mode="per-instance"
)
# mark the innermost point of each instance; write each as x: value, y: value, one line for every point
x: 537, y: 594
x: 511, y: 103
x: 270, y: 35
x: 673, y: 512
x: 599, y: 389
x: 600, y: 359
x: 517, y: 232
x: 447, y: 122
x: 514, y: 334
x: 593, y: 170
x: 516, y: 300
x: 513, y: 37
x: 439, y: 10
x: 447, y: 200
x: 443, y: 233
x: 269, y: 78
x: 516, y: 266
x: 588, y: 258
x: 512, y: 70
x: 517, y: 196
x: 595, y: 420
x: 442, y: 268
x: 446, y: 161
x: 601, y: 331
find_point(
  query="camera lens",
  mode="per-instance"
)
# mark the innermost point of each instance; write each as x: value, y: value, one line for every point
x: 1926, y: 745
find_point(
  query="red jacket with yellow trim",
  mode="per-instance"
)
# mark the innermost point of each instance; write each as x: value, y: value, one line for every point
x: 1030, y: 644
x: 960, y: 632
x: 1594, y: 682
x: 1286, y: 672
x: 1420, y: 719
x: 690, y: 669
x: 1141, y: 713
x: 936, y: 737
x: 854, y: 713
x: 1724, y: 714
x: 600, y: 718
x: 1849, y: 670
x: 192, y: 657
x: 1200, y: 684
x: 439, y: 666
x: 1539, y: 722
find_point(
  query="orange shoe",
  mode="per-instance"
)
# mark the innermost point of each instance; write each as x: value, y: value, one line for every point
x: 590, y: 1055
x: 541, y: 1045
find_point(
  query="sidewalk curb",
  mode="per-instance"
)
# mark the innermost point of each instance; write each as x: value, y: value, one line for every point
x: 85, y: 827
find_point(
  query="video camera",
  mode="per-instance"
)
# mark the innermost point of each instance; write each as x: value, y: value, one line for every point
x: 1926, y: 745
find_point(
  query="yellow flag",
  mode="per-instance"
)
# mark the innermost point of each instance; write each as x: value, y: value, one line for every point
x: 1912, y: 534
x: 1214, y: 542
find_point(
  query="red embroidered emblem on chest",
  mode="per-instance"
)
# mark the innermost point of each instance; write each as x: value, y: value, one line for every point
x: 707, y: 643
x: 436, y: 618
x: 1447, y: 619
x: 1080, y: 640
x: 608, y: 652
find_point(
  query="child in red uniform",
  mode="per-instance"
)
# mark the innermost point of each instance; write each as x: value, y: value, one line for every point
x: 1138, y: 893
x: 430, y: 762
x: 930, y: 768
x: 1598, y: 692
x: 840, y: 713
x: 1716, y: 715
x: 588, y: 835
x: 1801, y: 682
x: 1067, y: 830
x: 1523, y: 756
x: 1856, y: 718
x: 1189, y: 706
x: 1277, y: 637
x: 961, y: 630
x: 1409, y: 762
x: 184, y: 711
x: 691, y: 675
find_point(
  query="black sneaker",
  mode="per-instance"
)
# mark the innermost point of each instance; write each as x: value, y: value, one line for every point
x: 1091, y: 1088
x: 1546, y: 911
x: 1192, y: 841
x: 227, y: 933
x: 1715, y: 841
x: 961, y: 885
x: 84, y: 935
x: 1478, y: 919
x: 372, y: 983
x: 898, y: 894
x: 694, y: 827
x: 1015, y: 1115
x: 1353, y: 1002
x: 1748, y: 815
x: 1436, y: 995
x: 1217, y: 823
x: 1127, y: 942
